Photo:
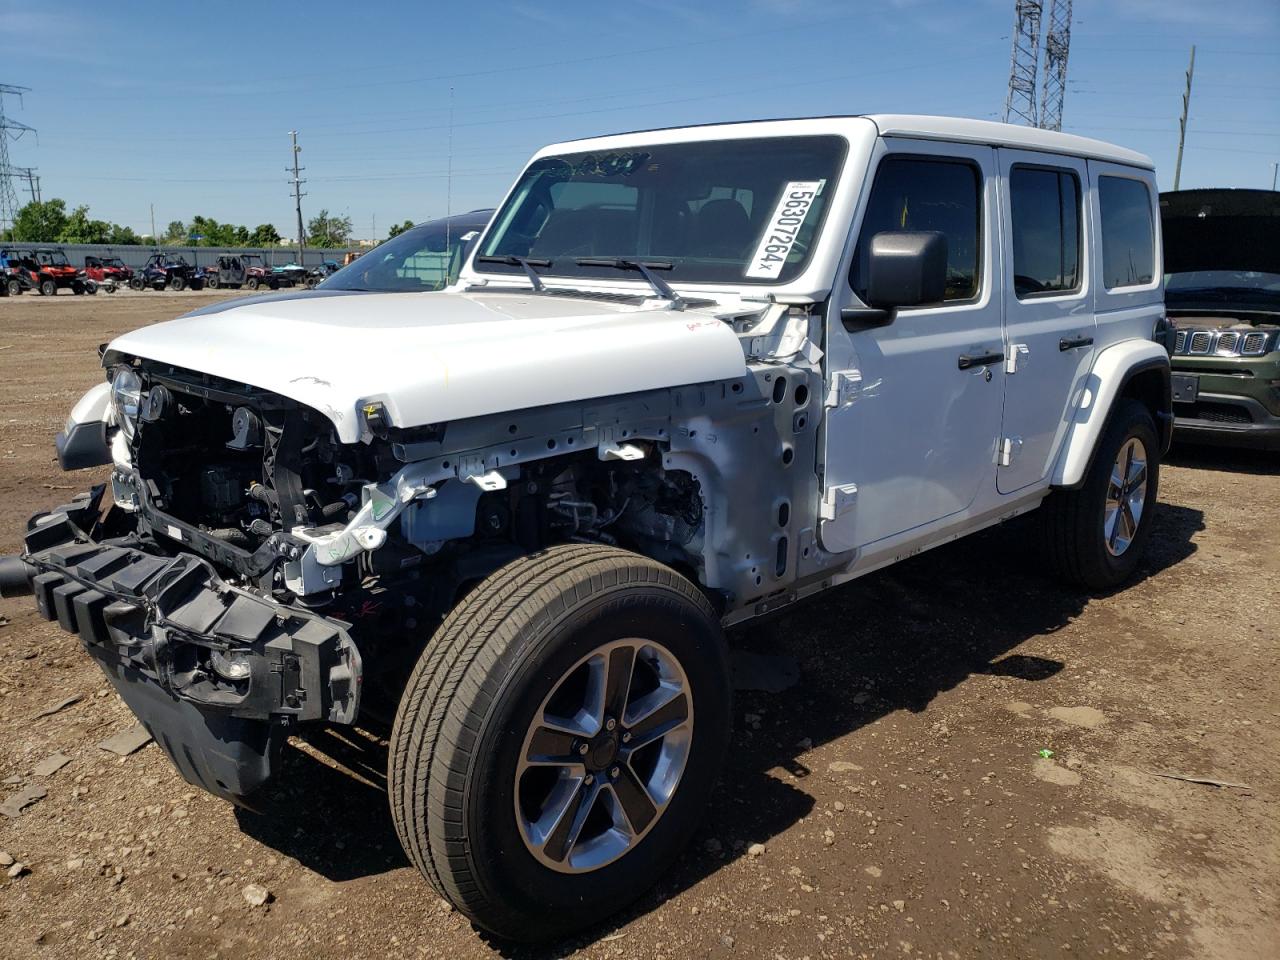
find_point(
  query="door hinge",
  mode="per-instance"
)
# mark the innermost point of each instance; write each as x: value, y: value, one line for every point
x: 843, y: 388
x: 1011, y: 357
x: 838, y: 500
x: 1010, y: 447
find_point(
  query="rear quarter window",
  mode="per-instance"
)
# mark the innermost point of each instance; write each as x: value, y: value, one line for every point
x: 1128, y: 233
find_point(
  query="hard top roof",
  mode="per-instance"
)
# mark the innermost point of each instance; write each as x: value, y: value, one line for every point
x: 915, y: 126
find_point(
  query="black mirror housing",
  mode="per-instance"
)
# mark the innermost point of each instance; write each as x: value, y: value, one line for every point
x: 906, y: 268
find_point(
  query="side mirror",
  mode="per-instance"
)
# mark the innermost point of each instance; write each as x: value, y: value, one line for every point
x: 905, y: 268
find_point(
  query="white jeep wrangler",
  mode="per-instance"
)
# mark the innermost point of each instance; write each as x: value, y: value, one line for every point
x: 685, y: 378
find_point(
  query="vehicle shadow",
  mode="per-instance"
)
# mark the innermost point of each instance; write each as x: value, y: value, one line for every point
x: 890, y: 641
x: 1224, y: 459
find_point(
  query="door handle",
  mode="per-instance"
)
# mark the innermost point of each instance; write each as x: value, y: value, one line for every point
x: 1070, y: 343
x: 968, y: 360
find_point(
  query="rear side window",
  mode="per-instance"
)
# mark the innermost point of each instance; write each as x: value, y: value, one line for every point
x: 914, y: 193
x: 1128, y: 235
x: 1044, y: 205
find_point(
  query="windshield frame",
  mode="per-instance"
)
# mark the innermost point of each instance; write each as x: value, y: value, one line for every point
x: 845, y: 163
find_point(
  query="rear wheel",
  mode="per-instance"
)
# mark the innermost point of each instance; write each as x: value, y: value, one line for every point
x: 1095, y: 535
x: 252, y: 283
x: 557, y: 740
x: 14, y: 287
x: 212, y: 283
x: 48, y: 288
x: 177, y: 282
x: 137, y: 283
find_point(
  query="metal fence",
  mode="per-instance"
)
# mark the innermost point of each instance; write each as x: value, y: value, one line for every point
x: 136, y: 256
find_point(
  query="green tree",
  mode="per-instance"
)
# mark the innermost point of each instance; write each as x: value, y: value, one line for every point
x: 175, y: 232
x: 399, y: 228
x: 41, y: 222
x: 79, y: 228
x: 123, y: 236
x: 264, y: 235
x: 326, y: 231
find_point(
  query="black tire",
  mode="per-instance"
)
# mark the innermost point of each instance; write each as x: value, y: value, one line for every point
x: 274, y: 284
x: 177, y: 283
x: 1073, y: 521
x: 212, y: 283
x: 90, y: 287
x: 14, y: 286
x: 458, y: 733
x: 137, y: 283
x: 197, y: 283
x: 77, y: 287
x: 48, y: 288
x: 252, y: 283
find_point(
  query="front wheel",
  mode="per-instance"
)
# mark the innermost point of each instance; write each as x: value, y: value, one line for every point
x: 14, y: 287
x: 556, y: 743
x: 212, y: 283
x: 1095, y: 535
x: 177, y: 283
x: 137, y: 283
x: 48, y: 288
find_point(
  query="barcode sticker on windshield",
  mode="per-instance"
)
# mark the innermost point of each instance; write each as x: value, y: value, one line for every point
x: 784, y: 226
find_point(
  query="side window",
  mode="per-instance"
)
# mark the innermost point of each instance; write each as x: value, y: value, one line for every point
x: 1128, y: 236
x: 1044, y: 205
x: 915, y: 193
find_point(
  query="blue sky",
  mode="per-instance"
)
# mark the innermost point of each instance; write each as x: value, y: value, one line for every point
x: 189, y: 106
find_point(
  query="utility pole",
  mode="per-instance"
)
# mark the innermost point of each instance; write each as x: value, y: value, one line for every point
x: 9, y: 129
x: 155, y: 241
x: 297, y: 189
x: 1275, y: 168
x: 33, y: 181
x: 1182, y: 122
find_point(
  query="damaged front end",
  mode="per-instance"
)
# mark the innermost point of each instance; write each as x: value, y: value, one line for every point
x: 218, y: 674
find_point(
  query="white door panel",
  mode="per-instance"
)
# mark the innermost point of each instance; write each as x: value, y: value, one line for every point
x: 1048, y: 308
x: 910, y: 437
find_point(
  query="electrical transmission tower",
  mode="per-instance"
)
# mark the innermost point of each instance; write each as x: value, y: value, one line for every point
x: 9, y: 130
x: 1057, y: 45
x: 1021, y: 99
x: 1020, y: 103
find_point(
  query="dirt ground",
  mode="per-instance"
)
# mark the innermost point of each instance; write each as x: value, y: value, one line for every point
x: 897, y: 787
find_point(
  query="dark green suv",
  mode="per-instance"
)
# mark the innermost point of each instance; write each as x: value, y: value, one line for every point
x: 1222, y: 288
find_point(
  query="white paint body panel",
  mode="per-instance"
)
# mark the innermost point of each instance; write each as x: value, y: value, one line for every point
x: 94, y: 406
x: 1093, y: 402
x: 436, y: 357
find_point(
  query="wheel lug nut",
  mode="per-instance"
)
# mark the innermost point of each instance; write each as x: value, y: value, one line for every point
x: 613, y: 773
x: 583, y: 748
x: 610, y: 723
x: 588, y: 780
x: 626, y: 736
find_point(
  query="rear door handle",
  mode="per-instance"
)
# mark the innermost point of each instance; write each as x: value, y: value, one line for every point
x: 1070, y: 343
x: 968, y: 360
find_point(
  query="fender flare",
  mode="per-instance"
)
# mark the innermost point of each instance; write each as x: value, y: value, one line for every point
x: 83, y: 441
x: 1096, y: 396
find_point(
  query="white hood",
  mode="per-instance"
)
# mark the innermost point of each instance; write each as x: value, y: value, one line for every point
x: 435, y: 357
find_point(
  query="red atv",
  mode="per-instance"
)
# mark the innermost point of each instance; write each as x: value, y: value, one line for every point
x: 108, y: 270
x: 51, y: 271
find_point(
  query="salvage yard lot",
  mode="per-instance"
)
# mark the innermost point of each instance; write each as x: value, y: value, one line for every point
x: 892, y: 802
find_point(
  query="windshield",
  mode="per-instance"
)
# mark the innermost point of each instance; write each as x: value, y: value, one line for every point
x: 724, y: 211
x: 425, y: 257
x: 1223, y: 280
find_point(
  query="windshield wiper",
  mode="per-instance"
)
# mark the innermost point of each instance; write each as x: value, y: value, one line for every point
x: 526, y: 263
x: 645, y: 269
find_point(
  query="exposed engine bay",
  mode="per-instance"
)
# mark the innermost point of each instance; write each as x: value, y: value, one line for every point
x: 243, y: 470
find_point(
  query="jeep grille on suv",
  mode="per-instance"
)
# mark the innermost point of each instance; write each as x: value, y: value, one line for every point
x: 1229, y: 343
